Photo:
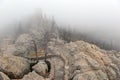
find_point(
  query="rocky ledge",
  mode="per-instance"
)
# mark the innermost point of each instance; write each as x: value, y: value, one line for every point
x: 76, y: 61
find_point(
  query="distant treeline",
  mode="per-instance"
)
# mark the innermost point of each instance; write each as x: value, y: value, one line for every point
x: 39, y: 25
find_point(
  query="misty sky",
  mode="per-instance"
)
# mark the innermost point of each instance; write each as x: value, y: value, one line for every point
x: 101, y: 16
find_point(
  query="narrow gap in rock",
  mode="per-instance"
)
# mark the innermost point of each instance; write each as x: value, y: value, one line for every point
x: 48, y: 65
x: 31, y: 65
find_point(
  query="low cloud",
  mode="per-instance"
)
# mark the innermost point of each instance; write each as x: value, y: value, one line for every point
x: 101, y: 18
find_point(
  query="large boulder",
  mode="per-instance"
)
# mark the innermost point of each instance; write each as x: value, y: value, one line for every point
x: 41, y: 68
x: 14, y: 67
x: 23, y: 45
x: 84, y: 61
x: 3, y: 76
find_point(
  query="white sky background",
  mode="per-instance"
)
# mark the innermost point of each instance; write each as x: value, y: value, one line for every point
x: 97, y: 16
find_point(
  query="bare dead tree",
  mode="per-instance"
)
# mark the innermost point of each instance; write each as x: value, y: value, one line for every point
x: 46, y: 39
x: 35, y: 49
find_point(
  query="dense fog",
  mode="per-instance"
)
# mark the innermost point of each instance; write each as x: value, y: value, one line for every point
x: 98, y: 18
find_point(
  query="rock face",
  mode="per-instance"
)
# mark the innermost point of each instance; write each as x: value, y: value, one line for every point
x: 69, y: 61
x: 33, y: 76
x: 14, y: 67
x: 3, y: 76
x: 84, y: 61
x: 41, y: 68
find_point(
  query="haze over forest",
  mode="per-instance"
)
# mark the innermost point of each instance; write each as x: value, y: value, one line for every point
x: 59, y: 40
x: 98, y: 18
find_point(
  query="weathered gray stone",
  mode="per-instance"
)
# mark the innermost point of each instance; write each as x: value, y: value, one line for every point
x: 3, y: 76
x: 14, y: 67
x: 41, y: 68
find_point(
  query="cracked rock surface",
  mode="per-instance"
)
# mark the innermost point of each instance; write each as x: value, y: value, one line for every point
x: 77, y: 60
